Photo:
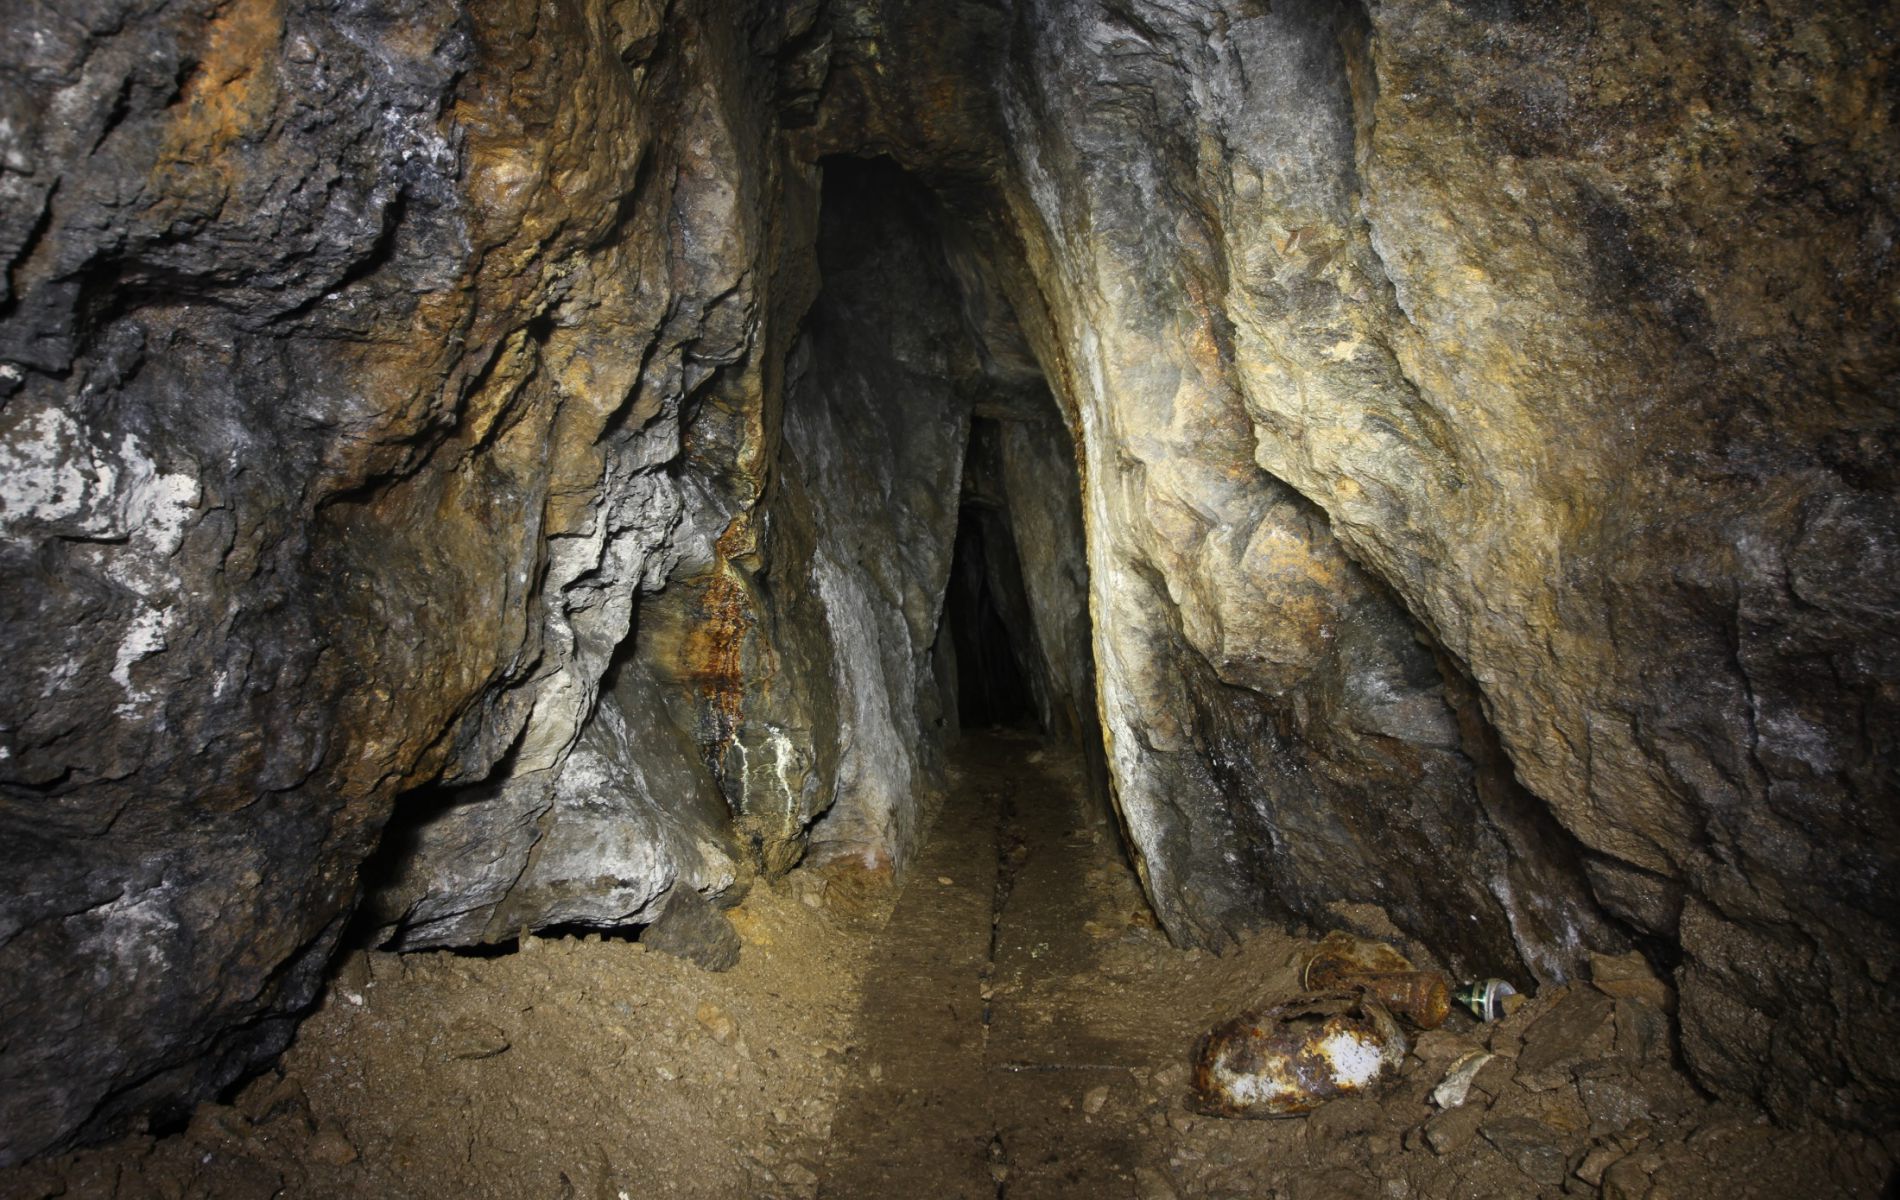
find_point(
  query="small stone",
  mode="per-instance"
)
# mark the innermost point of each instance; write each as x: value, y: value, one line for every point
x: 1596, y: 1161
x: 945, y: 880
x: 797, y: 1174
x: 1612, y: 1098
x: 1458, y: 1080
x: 1576, y: 1028
x: 1628, y: 976
x: 1094, y: 1099
x: 1495, y: 1075
x: 1625, y: 1179
x: 330, y: 1147
x: 1442, y: 1046
x: 273, y: 1097
x: 471, y: 1039
x: 1642, y: 1030
x: 1453, y: 1129
x: 1531, y: 1145
x: 689, y: 927
x: 212, y: 1123
x: 1169, y: 1081
x: 1151, y: 1184
x: 716, y: 1022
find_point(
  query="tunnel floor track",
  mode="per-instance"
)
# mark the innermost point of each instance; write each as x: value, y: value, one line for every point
x: 995, y: 1047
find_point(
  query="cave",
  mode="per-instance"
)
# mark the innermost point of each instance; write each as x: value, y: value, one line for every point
x: 866, y: 597
x: 992, y: 689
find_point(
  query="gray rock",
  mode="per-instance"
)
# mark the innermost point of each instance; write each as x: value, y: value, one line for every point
x: 691, y: 928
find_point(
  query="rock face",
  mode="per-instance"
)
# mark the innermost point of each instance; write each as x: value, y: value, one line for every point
x: 1479, y: 418
x: 854, y: 552
x: 345, y: 352
x: 1572, y: 329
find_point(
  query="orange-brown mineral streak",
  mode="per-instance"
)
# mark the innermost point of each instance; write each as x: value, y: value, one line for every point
x: 230, y: 93
x: 715, y: 645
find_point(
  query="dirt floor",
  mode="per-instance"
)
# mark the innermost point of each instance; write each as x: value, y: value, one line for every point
x: 1008, y: 1024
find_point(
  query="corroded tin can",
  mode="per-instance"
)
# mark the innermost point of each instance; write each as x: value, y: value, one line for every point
x: 1293, y: 1057
x: 1421, y: 997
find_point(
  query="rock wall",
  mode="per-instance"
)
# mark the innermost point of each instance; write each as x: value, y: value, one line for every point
x: 1559, y: 336
x: 1482, y: 416
x: 856, y: 540
x: 345, y: 351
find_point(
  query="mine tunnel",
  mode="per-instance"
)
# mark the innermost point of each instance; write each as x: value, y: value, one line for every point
x: 985, y: 591
x: 851, y: 598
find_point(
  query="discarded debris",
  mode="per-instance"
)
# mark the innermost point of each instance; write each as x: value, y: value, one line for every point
x: 1457, y: 1083
x: 1421, y: 997
x: 1490, y: 999
x: 1295, y: 1056
x: 1343, y: 962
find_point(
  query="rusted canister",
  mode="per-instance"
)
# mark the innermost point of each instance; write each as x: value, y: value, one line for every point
x: 1293, y: 1057
x: 1421, y: 997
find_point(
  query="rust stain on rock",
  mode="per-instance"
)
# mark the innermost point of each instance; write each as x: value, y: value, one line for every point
x: 714, y: 650
x: 230, y: 95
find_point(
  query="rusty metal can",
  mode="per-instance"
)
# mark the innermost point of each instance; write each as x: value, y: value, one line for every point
x: 1421, y: 997
x: 1293, y: 1057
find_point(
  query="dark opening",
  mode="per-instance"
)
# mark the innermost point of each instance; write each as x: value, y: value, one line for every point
x: 992, y: 689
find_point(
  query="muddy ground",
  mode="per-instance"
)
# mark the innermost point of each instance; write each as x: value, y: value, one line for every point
x: 1009, y: 1023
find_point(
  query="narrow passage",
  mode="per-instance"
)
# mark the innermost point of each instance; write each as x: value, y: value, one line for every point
x: 1002, y: 1048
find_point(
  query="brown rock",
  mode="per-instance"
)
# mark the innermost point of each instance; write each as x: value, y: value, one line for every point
x: 1642, y: 1031
x: 1453, y: 1129
x: 331, y: 1147
x: 1576, y: 1028
x: 716, y: 1022
x: 1625, y: 1179
x: 1495, y: 1075
x: 1438, y: 1047
x: 1629, y: 976
x: 1531, y: 1145
x: 1596, y: 1161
